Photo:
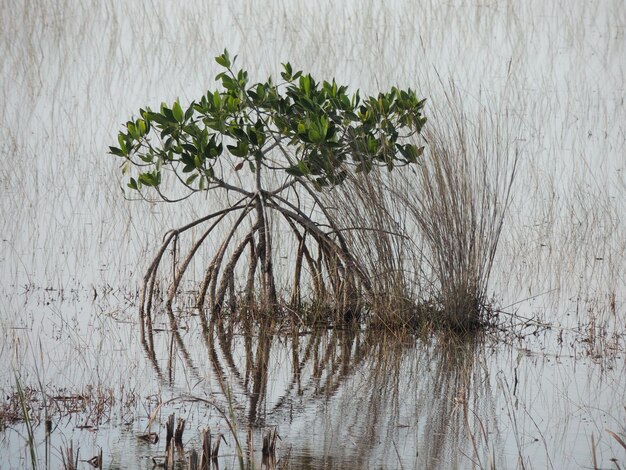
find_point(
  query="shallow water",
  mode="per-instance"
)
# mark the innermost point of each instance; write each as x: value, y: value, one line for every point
x: 338, y: 398
x: 73, y: 250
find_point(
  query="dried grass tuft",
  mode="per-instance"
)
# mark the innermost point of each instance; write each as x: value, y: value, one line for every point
x: 427, y: 235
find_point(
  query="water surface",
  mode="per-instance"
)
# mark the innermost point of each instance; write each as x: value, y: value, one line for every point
x: 73, y: 249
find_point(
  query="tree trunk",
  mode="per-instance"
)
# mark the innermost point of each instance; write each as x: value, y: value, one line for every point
x: 268, y: 287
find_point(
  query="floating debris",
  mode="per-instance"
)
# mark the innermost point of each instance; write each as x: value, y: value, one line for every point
x: 150, y: 437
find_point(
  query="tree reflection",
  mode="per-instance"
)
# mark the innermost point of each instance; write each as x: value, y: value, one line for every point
x: 347, y: 396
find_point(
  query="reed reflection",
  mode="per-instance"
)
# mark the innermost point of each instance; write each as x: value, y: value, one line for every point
x: 349, y: 396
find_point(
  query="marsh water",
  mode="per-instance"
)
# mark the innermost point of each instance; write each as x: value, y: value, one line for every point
x: 547, y: 389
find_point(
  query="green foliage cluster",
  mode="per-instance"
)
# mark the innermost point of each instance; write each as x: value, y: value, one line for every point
x: 311, y: 130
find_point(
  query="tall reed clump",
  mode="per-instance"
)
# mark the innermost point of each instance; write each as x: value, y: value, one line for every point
x: 429, y: 234
x: 457, y: 199
x: 374, y: 224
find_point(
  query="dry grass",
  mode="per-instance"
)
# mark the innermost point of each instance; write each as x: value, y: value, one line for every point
x: 428, y: 234
x: 92, y: 407
x: 460, y: 195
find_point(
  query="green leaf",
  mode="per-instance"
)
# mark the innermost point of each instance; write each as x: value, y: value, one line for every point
x: 191, y: 179
x: 121, y: 138
x: 133, y: 184
x: 146, y: 158
x: 299, y: 169
x: 228, y: 83
x: 410, y: 152
x: 287, y: 74
x: 294, y: 171
x: 305, y: 84
x: 260, y: 91
x: 168, y: 115
x: 142, y: 127
x: 146, y: 178
x: 242, y: 78
x: 315, y: 136
x: 323, y: 126
x: 240, y: 150
x: 132, y: 130
x: 116, y: 151
x: 190, y: 111
x: 223, y: 60
x: 150, y: 179
x: 372, y: 145
x: 158, y: 118
x: 177, y: 111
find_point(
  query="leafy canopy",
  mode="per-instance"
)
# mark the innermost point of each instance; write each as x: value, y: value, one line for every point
x: 312, y: 131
